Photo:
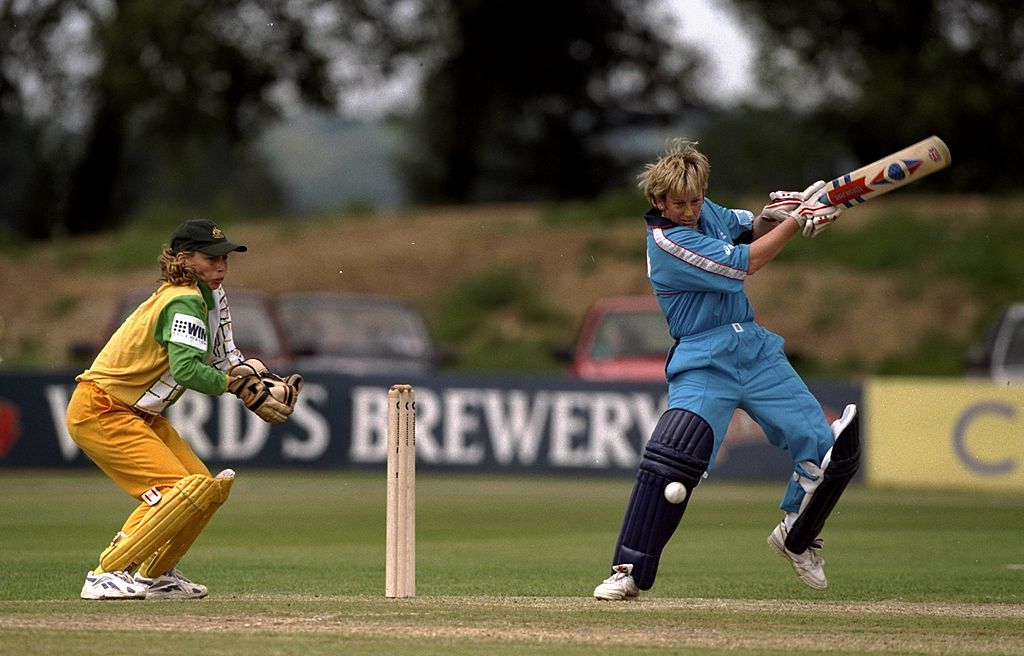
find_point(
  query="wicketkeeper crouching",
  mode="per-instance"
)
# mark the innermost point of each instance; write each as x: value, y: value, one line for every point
x: 179, y: 338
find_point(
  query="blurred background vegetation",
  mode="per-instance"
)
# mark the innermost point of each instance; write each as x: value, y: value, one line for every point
x: 120, y: 117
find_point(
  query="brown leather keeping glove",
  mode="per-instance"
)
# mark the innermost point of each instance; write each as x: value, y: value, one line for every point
x: 296, y: 382
x: 251, y: 367
x: 266, y: 397
x: 269, y: 396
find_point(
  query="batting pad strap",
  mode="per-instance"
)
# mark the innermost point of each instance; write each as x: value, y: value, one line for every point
x: 841, y: 464
x: 678, y: 451
x: 185, y: 501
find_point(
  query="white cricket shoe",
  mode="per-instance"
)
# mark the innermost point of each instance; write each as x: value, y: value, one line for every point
x: 111, y: 585
x: 620, y: 585
x: 809, y: 566
x: 172, y: 585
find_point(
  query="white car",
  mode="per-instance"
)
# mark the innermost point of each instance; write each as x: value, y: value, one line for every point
x: 1001, y: 355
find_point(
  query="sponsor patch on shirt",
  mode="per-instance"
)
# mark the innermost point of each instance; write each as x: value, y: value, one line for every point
x: 186, y: 329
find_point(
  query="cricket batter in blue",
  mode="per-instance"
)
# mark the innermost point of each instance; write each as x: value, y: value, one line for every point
x: 699, y: 255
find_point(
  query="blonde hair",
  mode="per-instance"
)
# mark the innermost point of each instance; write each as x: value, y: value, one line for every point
x: 175, y: 272
x: 681, y: 171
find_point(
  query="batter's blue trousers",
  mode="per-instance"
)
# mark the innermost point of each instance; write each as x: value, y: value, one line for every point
x: 743, y: 365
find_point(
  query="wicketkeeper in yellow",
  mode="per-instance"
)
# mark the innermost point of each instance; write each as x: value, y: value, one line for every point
x: 179, y: 338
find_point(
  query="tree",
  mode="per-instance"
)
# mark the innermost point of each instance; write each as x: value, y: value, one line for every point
x: 96, y: 82
x: 29, y: 151
x: 520, y: 97
x: 893, y: 72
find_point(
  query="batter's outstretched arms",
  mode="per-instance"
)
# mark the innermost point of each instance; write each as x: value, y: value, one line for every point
x: 808, y: 217
x: 764, y: 249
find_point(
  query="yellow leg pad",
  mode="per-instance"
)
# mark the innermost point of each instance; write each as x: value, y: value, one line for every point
x: 169, y: 554
x: 186, y: 501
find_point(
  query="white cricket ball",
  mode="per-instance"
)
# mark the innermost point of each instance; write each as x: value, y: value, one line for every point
x: 675, y: 493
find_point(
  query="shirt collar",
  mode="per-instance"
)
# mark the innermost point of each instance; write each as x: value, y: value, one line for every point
x: 656, y: 220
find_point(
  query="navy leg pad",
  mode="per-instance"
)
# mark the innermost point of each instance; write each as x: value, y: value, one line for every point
x: 844, y: 462
x: 679, y: 451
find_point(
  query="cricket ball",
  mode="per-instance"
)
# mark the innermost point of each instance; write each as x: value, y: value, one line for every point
x: 675, y: 493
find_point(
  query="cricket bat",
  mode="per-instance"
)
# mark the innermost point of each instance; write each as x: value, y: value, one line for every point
x: 887, y: 174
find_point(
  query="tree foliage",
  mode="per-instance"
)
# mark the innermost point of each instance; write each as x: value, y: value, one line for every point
x: 520, y: 97
x: 891, y: 72
x: 106, y: 101
x: 99, y: 90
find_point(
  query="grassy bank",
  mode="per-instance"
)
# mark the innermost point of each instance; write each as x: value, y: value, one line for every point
x: 902, y: 285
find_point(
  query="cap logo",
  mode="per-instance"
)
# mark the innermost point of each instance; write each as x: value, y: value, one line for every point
x: 218, y: 233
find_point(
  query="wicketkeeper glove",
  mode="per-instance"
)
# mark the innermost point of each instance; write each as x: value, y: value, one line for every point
x: 271, y: 397
x: 251, y: 367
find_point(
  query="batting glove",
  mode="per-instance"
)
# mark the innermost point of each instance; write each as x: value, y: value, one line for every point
x: 816, y: 220
x: 781, y: 205
x: 812, y: 215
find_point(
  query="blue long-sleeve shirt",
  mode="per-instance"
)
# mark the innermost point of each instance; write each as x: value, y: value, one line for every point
x: 698, y: 273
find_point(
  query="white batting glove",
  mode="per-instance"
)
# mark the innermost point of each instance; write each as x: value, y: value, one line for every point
x: 812, y: 215
x: 821, y: 219
x: 781, y: 205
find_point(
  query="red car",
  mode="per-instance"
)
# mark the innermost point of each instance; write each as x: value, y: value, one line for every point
x: 622, y: 338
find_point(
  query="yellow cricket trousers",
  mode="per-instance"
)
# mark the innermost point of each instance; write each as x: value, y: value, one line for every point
x: 135, y: 449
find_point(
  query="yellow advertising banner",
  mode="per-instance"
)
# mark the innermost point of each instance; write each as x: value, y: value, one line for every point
x: 944, y: 433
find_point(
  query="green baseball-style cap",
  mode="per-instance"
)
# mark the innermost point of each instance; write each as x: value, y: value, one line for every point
x: 204, y: 236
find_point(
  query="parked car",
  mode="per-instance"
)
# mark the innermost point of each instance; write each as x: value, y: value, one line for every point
x: 1000, y: 354
x: 622, y: 338
x: 358, y: 334
x: 254, y: 325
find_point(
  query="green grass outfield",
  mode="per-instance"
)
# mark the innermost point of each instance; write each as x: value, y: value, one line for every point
x: 295, y: 565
